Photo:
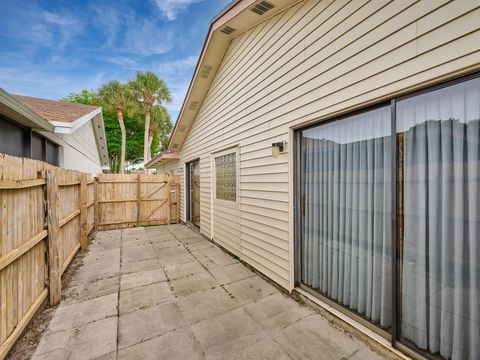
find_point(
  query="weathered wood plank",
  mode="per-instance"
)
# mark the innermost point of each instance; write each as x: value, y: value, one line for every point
x: 21, y: 184
x: 169, y: 200
x: 55, y: 283
x: 69, y: 218
x: 15, y: 254
x: 69, y: 259
x: 22, y: 325
x: 83, y: 212
x: 177, y: 201
x: 96, y: 196
x: 156, y: 209
x: 139, y: 198
x: 117, y: 201
x: 119, y: 181
x: 69, y: 183
x: 156, y: 190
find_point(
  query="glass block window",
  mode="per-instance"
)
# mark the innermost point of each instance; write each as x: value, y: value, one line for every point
x: 226, y: 177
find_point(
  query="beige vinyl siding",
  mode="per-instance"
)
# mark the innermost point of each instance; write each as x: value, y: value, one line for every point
x: 313, y: 60
x: 226, y: 228
x: 205, y: 191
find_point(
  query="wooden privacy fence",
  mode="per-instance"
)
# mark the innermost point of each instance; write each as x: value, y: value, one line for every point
x: 46, y: 215
x: 136, y: 200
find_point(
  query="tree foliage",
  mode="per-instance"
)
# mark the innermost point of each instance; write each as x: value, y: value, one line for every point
x: 161, y: 124
x: 85, y: 97
x: 117, y: 96
x: 149, y: 91
x: 134, y: 126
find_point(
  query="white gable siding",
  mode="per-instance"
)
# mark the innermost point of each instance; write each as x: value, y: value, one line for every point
x: 80, y: 151
x: 315, y: 59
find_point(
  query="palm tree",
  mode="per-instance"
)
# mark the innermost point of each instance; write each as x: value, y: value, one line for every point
x: 117, y: 96
x: 149, y: 90
x: 160, y: 119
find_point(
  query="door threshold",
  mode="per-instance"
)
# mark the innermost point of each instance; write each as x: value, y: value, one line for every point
x: 192, y: 226
x: 382, y: 344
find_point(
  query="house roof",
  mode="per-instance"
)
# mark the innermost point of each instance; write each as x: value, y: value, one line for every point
x: 65, y: 118
x: 236, y: 18
x: 53, y: 110
x: 13, y: 109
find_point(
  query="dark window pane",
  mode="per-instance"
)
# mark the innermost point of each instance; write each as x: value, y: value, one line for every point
x: 52, y: 153
x: 13, y: 139
x: 38, y: 147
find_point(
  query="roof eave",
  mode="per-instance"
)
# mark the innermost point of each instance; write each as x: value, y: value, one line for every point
x: 162, y: 157
x: 235, y: 13
x: 16, y: 111
x: 101, y: 139
x: 64, y: 127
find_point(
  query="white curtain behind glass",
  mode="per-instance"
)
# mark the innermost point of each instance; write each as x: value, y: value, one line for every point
x: 346, y: 227
x: 441, y: 240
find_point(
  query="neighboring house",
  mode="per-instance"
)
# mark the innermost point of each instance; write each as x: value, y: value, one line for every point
x: 288, y: 125
x: 68, y: 135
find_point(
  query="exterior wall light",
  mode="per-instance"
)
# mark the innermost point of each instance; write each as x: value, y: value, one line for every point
x: 278, y: 148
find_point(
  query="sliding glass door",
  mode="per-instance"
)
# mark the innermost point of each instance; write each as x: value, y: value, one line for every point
x: 419, y: 276
x: 440, y: 238
x: 346, y: 201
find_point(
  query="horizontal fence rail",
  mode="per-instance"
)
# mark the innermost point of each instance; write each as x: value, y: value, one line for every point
x: 46, y: 216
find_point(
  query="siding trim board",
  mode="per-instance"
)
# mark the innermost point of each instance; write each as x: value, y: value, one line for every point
x: 314, y: 61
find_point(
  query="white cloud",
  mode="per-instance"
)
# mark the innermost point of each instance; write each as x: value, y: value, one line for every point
x: 177, y: 74
x: 171, y: 8
x: 178, y: 66
x: 146, y: 37
x: 57, y: 19
x: 108, y: 20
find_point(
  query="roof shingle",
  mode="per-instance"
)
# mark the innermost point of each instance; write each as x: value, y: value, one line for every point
x: 53, y: 110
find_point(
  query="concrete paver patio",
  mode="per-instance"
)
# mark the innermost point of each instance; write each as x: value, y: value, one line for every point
x: 167, y: 293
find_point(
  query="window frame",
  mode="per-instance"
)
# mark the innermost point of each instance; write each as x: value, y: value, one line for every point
x: 215, y: 155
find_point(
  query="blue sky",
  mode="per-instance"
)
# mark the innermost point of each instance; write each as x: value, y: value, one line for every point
x: 49, y: 48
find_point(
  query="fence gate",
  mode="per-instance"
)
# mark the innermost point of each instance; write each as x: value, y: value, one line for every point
x: 136, y: 200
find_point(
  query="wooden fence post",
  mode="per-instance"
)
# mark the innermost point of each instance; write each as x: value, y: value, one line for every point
x: 83, y: 212
x: 54, y: 271
x: 177, y: 200
x: 169, y: 194
x: 139, y: 199
x: 95, y: 203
